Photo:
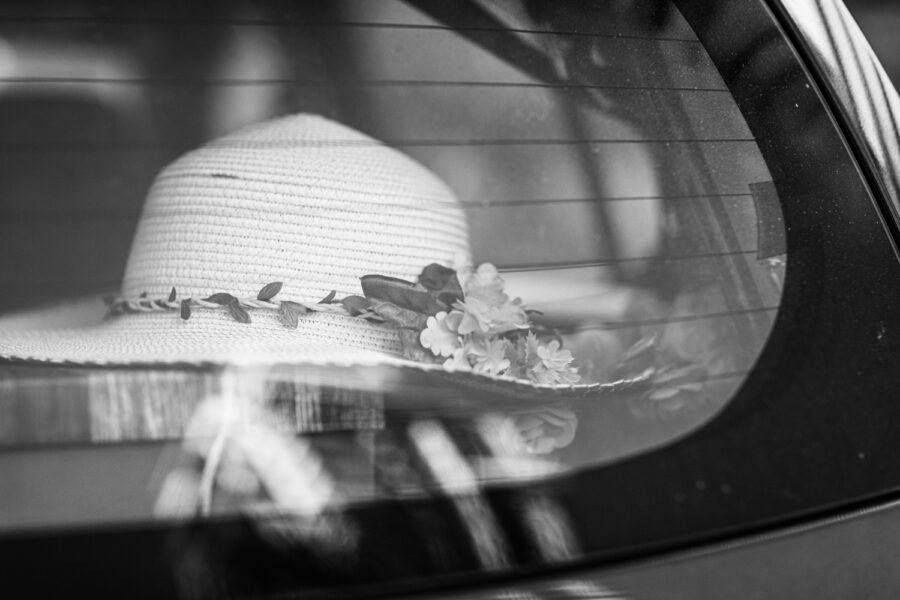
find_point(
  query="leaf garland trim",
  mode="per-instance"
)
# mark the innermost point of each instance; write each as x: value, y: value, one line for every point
x: 269, y: 291
x: 469, y: 326
x: 239, y: 308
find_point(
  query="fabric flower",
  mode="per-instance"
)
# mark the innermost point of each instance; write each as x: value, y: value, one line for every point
x: 508, y: 317
x: 489, y: 355
x: 549, y: 364
x: 531, y: 350
x: 458, y: 361
x: 440, y: 333
x: 569, y: 376
x: 476, y: 316
x: 486, y: 285
x: 541, y: 374
x: 486, y: 308
x: 484, y: 331
x: 553, y: 357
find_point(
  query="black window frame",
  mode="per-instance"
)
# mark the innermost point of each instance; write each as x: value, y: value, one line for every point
x: 809, y: 434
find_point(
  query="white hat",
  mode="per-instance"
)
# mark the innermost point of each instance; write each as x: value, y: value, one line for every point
x: 247, y: 231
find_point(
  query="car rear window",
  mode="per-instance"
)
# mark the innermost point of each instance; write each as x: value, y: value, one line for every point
x: 601, y: 168
x: 604, y: 169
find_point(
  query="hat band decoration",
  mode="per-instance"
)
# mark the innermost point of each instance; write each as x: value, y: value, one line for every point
x: 470, y: 326
x: 220, y: 220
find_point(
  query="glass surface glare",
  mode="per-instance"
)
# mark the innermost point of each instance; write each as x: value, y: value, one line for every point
x: 602, y: 166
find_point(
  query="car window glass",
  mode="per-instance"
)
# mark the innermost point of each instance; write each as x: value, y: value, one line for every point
x: 601, y: 165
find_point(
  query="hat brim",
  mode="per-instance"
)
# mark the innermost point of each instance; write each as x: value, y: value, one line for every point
x: 213, y: 339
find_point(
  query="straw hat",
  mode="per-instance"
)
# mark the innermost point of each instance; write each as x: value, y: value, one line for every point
x: 246, y: 247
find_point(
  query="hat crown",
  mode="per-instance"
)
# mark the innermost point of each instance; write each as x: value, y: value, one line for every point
x: 301, y: 200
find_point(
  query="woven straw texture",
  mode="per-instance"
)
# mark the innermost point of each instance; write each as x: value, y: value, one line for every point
x: 301, y: 200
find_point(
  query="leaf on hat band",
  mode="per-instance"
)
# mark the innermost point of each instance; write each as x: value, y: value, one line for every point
x: 401, y: 317
x: 412, y: 349
x: 290, y: 312
x: 355, y: 305
x: 269, y: 291
x: 399, y: 292
x: 172, y: 295
x: 221, y: 298
x: 442, y: 282
x: 436, y: 277
x: 186, y: 309
x: 238, y: 312
x: 300, y: 309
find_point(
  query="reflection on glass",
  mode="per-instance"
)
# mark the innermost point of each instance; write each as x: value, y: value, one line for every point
x: 569, y: 245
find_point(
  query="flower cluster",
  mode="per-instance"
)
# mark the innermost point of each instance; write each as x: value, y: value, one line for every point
x: 487, y: 332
